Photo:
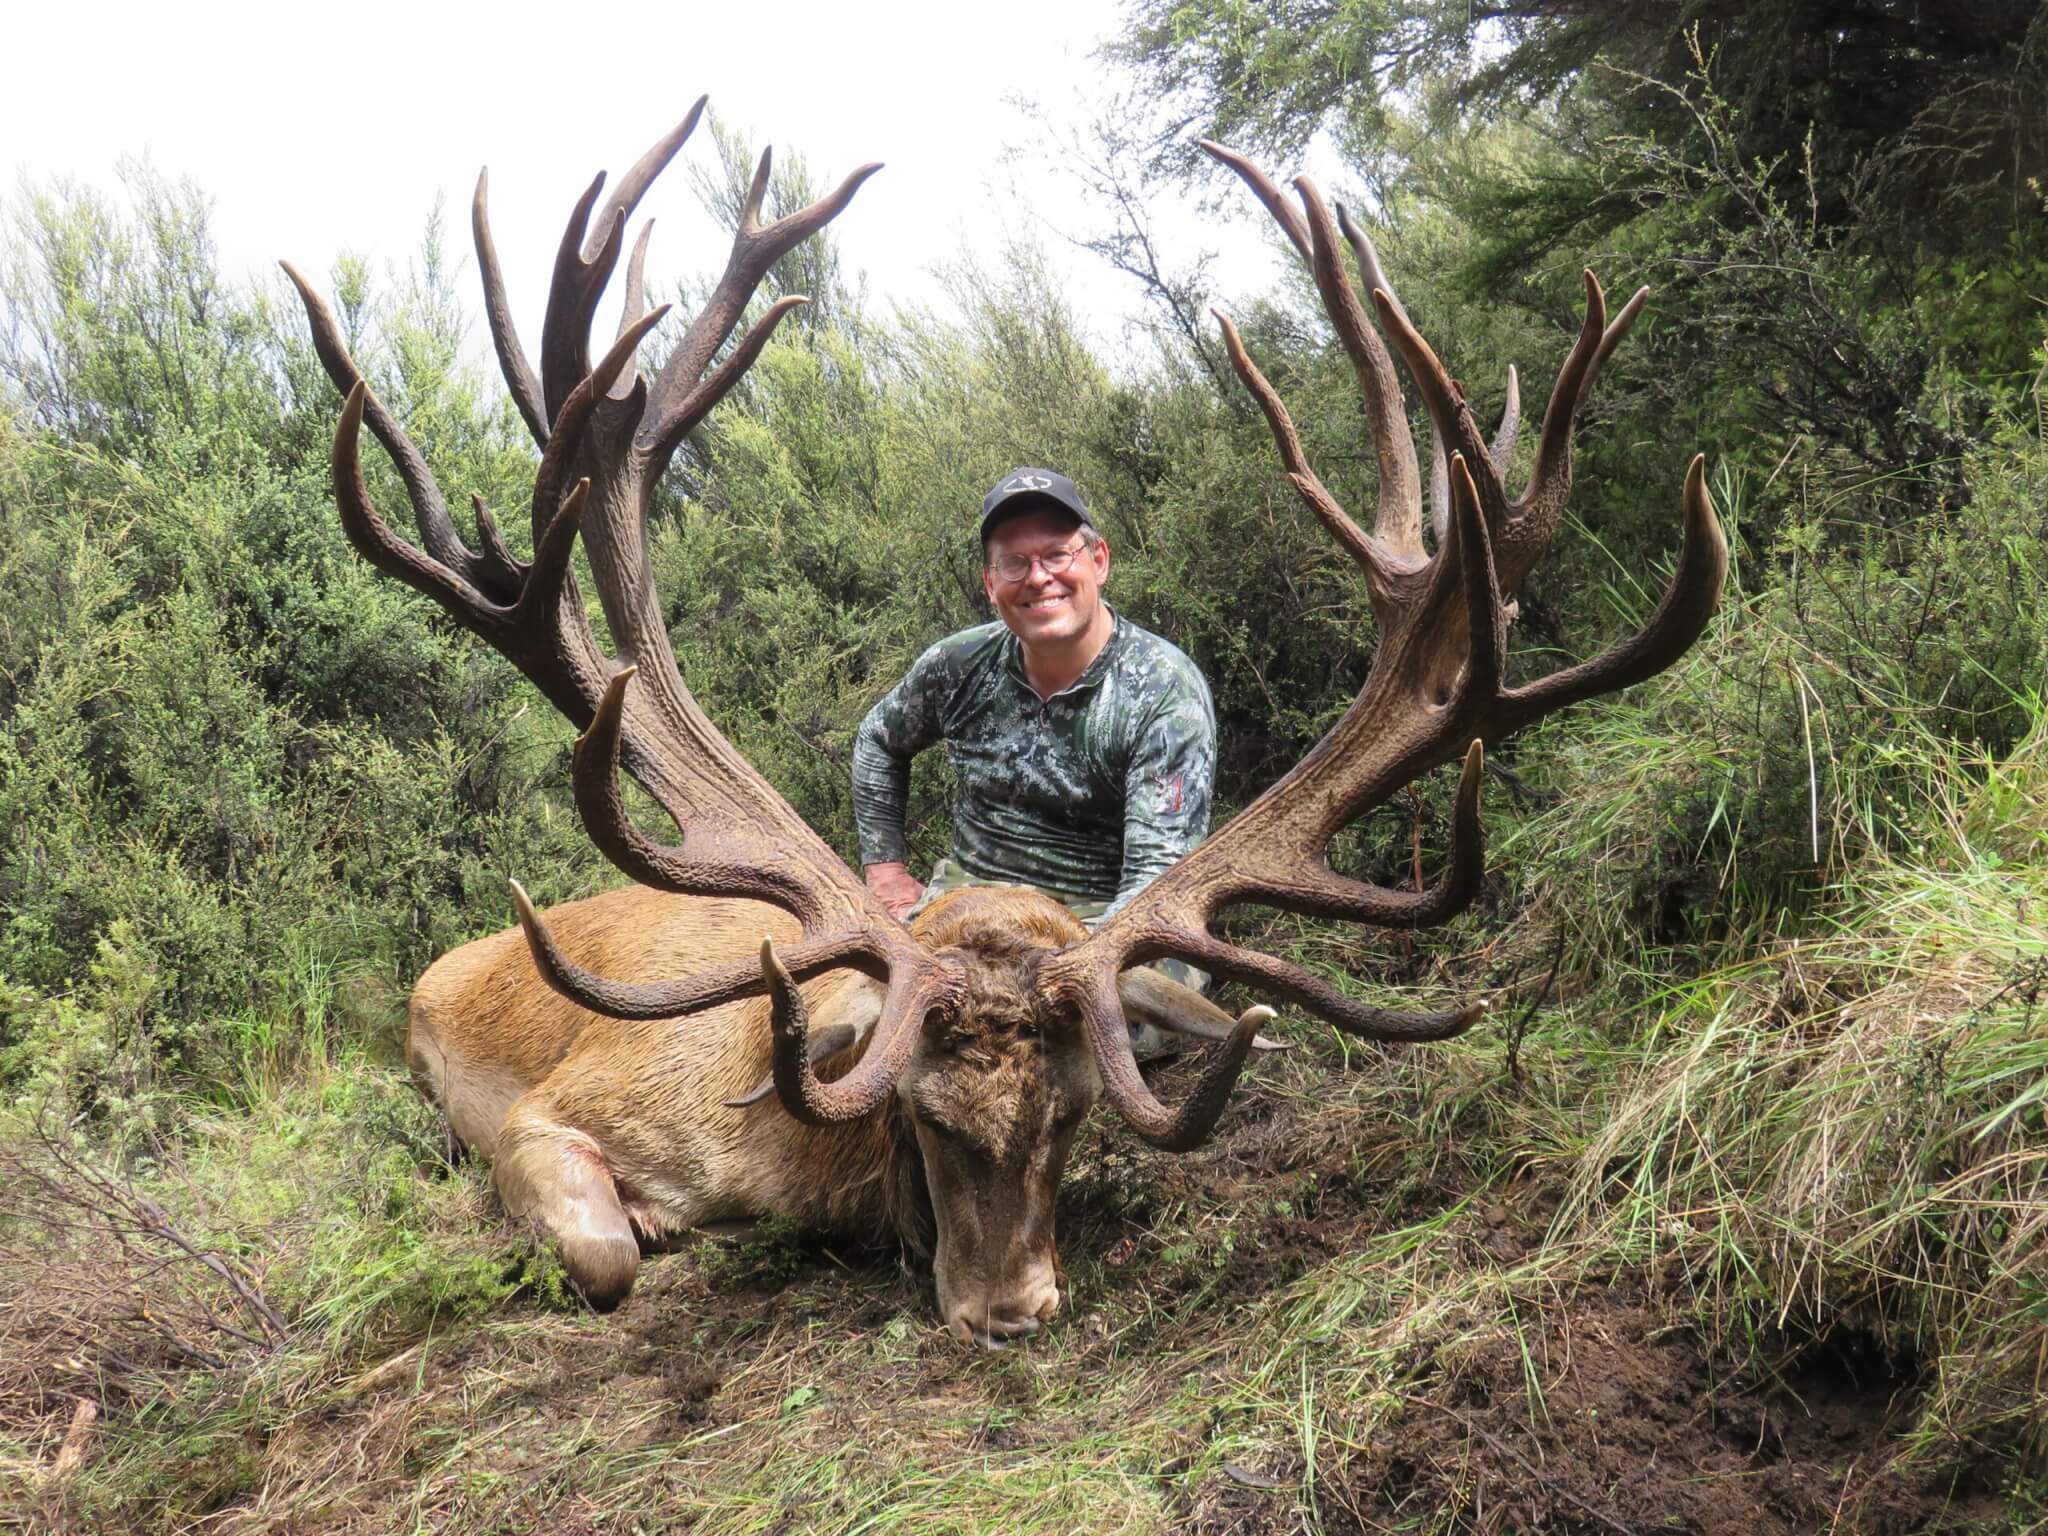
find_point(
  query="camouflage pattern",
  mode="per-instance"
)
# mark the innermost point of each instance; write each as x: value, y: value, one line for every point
x: 1089, y: 795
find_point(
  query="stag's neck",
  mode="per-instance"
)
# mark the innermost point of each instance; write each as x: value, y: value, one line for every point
x: 863, y: 1180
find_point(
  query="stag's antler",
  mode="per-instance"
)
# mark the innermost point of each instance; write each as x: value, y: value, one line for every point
x: 1438, y: 684
x: 606, y: 437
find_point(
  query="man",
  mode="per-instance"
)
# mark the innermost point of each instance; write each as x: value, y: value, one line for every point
x: 1084, y: 747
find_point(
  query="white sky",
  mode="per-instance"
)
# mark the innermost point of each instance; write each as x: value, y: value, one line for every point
x: 319, y: 129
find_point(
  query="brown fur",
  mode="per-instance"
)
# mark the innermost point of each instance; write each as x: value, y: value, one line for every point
x: 612, y: 1132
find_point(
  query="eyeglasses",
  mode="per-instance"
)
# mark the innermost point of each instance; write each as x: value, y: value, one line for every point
x: 1017, y: 567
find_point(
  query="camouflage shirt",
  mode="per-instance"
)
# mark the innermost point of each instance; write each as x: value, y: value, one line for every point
x: 1089, y: 795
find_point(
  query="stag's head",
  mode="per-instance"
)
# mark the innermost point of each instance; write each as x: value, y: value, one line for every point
x: 995, y: 1093
x: 994, y: 1090
x: 1000, y: 1020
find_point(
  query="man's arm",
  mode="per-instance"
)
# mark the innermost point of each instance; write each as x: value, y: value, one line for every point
x: 1168, y: 785
x: 906, y: 720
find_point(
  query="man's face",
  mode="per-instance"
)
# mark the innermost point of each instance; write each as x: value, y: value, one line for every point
x: 1039, y: 607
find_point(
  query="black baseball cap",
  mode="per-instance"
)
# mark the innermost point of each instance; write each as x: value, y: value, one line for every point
x: 1022, y: 489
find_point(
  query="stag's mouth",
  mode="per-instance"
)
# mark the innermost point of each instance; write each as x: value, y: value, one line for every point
x: 994, y: 1331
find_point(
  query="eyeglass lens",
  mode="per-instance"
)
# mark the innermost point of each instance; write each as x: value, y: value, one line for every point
x: 1017, y: 567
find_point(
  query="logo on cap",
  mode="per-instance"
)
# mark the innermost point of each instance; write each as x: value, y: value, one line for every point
x: 1027, y: 483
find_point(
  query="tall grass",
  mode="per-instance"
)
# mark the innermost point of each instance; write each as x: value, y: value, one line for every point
x: 1844, y: 1129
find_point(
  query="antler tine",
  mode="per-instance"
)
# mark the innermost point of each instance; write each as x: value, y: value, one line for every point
x: 1680, y: 618
x: 562, y: 444
x: 755, y: 248
x: 1450, y: 418
x: 696, y: 405
x: 1376, y: 281
x: 430, y: 511
x: 1398, y: 524
x: 652, y: 162
x: 1184, y: 1128
x: 573, y: 293
x: 507, y: 570
x: 586, y: 258
x: 375, y: 539
x: 709, y: 867
x: 1313, y: 889
x: 1610, y: 338
x: 551, y: 576
x: 1469, y: 564
x: 757, y: 191
x: 1326, y: 1002
x: 518, y: 372
x: 564, y: 662
x: 1502, y: 448
x: 1383, y: 571
x: 1262, y: 188
x: 920, y: 986
x: 635, y: 303
x: 1170, y: 1129
x: 1535, y: 514
x: 1498, y: 453
x: 687, y: 994
x: 1375, y: 278
x: 1370, y: 272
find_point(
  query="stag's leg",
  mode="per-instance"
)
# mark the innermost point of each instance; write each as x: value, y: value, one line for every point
x: 558, y: 1175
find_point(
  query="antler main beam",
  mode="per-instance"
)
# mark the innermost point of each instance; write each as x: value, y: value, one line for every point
x: 607, y: 434
x: 1438, y: 685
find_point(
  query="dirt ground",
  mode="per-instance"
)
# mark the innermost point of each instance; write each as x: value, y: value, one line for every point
x: 1599, y: 1409
x: 1616, y: 1421
x: 1603, y: 1412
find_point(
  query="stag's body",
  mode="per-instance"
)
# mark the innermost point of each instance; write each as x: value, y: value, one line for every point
x: 510, y: 1065
x: 620, y: 1133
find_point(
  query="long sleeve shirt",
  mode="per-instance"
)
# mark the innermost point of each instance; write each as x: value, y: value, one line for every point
x: 1089, y: 795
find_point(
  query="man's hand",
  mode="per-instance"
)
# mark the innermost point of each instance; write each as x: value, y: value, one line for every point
x: 896, y: 886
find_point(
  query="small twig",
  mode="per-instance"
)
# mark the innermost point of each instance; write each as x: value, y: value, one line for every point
x: 1842, y: 1499
x: 1521, y: 1025
x: 133, y: 1220
x: 158, y: 1225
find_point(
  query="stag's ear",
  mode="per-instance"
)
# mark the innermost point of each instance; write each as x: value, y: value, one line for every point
x: 843, y: 1017
x: 857, y: 1004
x: 1151, y: 998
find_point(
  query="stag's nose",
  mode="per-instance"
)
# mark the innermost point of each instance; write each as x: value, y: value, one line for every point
x: 992, y: 1331
x: 994, y: 1325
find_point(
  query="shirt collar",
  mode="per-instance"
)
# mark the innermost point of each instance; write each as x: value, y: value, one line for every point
x: 1091, y: 675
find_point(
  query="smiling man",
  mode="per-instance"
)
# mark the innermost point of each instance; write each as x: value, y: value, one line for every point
x: 1083, y: 747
